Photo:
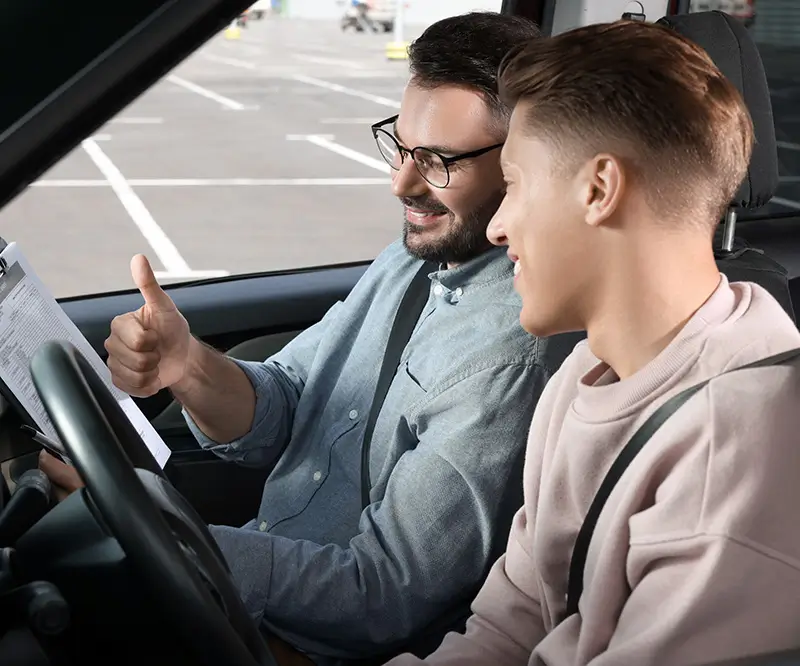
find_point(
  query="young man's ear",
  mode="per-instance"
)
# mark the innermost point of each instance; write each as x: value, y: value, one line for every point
x: 602, y: 186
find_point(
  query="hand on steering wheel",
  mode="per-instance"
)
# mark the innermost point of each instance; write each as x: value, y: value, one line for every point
x: 164, y: 539
x: 64, y: 478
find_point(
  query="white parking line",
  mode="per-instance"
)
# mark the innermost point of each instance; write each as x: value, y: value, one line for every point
x: 239, y: 46
x: 311, y: 46
x: 347, y: 121
x: 303, y: 137
x: 69, y: 182
x: 322, y: 60
x: 787, y: 145
x: 163, y: 247
x: 233, y: 62
x: 259, y: 182
x: 205, y: 92
x: 786, y: 202
x: 335, y: 87
x: 325, y: 141
x: 216, y: 182
x: 348, y: 69
x: 131, y: 120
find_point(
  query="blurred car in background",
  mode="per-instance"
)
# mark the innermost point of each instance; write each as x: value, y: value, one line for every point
x: 373, y: 15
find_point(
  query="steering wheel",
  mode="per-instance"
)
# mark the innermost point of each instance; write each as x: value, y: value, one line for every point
x: 164, y: 539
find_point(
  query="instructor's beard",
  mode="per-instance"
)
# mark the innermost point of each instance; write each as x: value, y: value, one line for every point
x: 463, y: 238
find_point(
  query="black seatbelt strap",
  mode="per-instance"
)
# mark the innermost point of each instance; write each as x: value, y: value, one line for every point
x: 408, y: 313
x: 624, y: 459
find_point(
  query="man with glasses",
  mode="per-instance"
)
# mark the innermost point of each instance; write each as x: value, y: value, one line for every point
x: 434, y: 174
x: 433, y: 166
x: 377, y: 528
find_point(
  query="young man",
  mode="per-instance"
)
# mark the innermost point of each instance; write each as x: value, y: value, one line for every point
x: 445, y: 463
x: 618, y: 168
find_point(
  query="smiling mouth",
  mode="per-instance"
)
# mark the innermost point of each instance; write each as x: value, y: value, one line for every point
x: 422, y: 214
x: 422, y: 219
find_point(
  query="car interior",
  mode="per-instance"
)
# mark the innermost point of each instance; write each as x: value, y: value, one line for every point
x: 125, y: 570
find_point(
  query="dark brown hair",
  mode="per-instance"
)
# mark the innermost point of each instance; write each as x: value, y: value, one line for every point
x: 466, y: 50
x: 645, y: 94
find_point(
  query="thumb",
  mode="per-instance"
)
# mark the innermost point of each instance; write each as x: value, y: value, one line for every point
x: 145, y: 280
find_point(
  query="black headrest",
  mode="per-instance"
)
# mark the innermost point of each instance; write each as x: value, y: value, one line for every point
x: 730, y: 46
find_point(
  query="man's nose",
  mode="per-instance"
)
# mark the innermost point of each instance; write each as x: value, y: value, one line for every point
x: 408, y: 181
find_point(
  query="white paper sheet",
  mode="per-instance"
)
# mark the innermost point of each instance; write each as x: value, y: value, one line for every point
x: 30, y: 316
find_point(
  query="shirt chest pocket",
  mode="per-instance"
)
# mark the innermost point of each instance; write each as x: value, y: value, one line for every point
x: 394, y: 429
x: 417, y: 379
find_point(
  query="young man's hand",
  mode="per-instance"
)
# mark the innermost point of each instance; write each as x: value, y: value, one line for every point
x: 65, y: 478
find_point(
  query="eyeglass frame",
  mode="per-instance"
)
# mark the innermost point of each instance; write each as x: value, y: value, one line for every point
x: 447, y: 161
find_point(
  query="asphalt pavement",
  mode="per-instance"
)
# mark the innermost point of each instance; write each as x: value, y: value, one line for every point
x: 253, y: 155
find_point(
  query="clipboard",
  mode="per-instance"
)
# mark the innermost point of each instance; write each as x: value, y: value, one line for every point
x: 6, y: 393
x: 32, y: 316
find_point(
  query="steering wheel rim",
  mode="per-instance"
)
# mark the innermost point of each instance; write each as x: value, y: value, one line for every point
x: 79, y: 403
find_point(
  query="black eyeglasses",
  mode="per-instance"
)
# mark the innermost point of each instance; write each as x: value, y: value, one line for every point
x: 432, y: 166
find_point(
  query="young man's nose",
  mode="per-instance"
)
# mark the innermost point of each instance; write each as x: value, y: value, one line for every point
x: 495, y: 232
x: 407, y: 181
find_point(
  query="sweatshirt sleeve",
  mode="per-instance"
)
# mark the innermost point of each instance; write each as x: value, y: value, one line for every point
x: 706, y: 599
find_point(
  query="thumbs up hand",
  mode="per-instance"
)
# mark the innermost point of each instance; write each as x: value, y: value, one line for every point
x: 148, y: 349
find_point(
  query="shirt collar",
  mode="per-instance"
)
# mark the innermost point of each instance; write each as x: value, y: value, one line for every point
x: 491, y: 266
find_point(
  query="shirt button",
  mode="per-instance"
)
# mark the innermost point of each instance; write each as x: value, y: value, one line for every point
x: 263, y: 526
x: 438, y: 290
x: 317, y: 475
x: 353, y: 414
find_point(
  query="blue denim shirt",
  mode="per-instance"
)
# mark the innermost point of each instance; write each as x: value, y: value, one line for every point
x: 445, y: 461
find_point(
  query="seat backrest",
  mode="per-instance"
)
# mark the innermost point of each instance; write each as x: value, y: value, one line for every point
x: 733, y: 50
x: 730, y: 46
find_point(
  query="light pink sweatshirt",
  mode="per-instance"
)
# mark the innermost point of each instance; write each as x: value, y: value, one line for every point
x: 696, y: 556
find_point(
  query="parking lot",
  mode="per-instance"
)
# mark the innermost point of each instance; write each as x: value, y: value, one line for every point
x: 253, y: 155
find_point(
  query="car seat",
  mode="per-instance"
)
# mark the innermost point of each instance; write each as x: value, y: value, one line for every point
x: 730, y: 46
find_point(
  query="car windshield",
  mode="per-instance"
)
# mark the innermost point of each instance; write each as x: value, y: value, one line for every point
x: 256, y: 153
x: 265, y: 172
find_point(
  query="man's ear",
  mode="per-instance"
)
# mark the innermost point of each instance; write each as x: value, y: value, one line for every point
x: 602, y: 186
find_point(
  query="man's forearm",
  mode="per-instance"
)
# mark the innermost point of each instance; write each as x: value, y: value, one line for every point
x: 216, y: 393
